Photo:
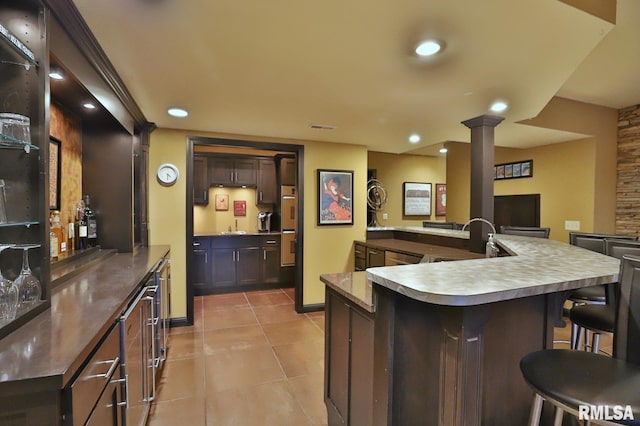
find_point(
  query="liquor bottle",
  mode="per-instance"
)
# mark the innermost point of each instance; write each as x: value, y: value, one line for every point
x: 81, y: 238
x: 71, y: 236
x: 56, y: 228
x: 53, y: 244
x: 92, y: 225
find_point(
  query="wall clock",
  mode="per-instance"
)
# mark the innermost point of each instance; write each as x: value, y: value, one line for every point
x: 167, y: 174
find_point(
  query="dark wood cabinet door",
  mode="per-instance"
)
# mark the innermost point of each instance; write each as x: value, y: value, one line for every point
x: 375, y: 257
x: 200, y: 181
x: 270, y: 265
x: 248, y: 265
x: 288, y: 168
x: 361, y: 370
x: 223, y: 267
x: 336, y: 386
x: 245, y: 171
x: 201, y: 270
x: 266, y: 192
x: 221, y: 171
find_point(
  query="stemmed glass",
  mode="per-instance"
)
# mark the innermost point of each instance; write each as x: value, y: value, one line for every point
x: 8, y: 294
x: 29, y: 289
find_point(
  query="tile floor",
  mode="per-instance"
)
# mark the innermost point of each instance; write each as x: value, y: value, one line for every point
x: 249, y: 359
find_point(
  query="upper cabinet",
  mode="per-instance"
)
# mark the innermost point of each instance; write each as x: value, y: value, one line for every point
x: 200, y: 181
x: 266, y: 192
x: 232, y: 171
x: 288, y: 166
x: 24, y: 157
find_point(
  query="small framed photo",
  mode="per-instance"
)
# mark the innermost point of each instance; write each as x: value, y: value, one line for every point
x: 335, y: 197
x: 240, y: 208
x: 222, y: 202
x: 521, y: 169
x: 416, y: 200
x: 441, y: 199
x: 526, y: 168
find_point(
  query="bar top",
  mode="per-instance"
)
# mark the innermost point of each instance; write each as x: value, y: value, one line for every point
x: 536, y: 266
x: 354, y: 286
x: 50, y: 348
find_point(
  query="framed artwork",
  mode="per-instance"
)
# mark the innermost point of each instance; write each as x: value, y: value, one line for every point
x: 416, y: 199
x: 55, y: 171
x: 240, y: 208
x: 222, y: 202
x: 441, y: 199
x: 520, y: 169
x: 335, y: 197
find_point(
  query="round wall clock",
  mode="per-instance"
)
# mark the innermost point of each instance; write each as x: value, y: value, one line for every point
x: 167, y: 174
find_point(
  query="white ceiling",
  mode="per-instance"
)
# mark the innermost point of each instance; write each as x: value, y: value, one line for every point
x: 260, y: 68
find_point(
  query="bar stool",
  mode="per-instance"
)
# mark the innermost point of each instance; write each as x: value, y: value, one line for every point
x: 527, y: 231
x: 571, y: 379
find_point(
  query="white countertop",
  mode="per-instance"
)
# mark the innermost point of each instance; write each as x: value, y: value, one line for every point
x: 536, y: 266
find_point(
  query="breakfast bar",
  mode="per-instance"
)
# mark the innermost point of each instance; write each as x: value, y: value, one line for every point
x: 440, y: 343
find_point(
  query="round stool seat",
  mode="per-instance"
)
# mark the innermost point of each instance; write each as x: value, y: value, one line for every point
x: 588, y: 294
x: 594, y: 317
x: 573, y: 378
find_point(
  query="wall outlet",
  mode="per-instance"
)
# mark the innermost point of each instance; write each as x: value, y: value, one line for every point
x: 572, y: 225
x: 385, y: 216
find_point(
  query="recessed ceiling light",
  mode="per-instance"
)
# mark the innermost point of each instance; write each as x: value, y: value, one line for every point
x: 414, y: 138
x: 498, y: 106
x: 428, y: 48
x: 89, y: 105
x: 443, y: 150
x: 56, y: 73
x: 177, y: 112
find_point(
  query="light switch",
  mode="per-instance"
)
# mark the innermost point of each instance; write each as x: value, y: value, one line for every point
x: 572, y: 225
x: 385, y: 216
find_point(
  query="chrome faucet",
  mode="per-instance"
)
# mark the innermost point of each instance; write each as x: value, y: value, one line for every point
x: 481, y: 219
x: 236, y: 224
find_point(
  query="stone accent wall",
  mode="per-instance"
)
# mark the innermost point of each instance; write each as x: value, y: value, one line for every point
x: 628, y: 170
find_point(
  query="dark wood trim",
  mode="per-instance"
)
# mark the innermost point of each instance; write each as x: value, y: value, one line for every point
x: 179, y: 322
x: 189, y: 232
x: 74, y: 24
x: 316, y: 307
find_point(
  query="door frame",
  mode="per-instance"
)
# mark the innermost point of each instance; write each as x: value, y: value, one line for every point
x: 298, y: 150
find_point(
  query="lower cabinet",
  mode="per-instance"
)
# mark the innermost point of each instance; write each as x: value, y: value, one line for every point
x: 349, y: 340
x: 234, y: 263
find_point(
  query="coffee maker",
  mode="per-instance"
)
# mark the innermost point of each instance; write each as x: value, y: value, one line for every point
x: 264, y: 221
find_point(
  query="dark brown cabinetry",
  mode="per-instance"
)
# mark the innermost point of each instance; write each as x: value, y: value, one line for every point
x: 349, y: 349
x: 200, y: 181
x: 266, y: 191
x: 287, y: 172
x: 360, y: 252
x: 375, y: 257
x: 233, y: 171
x: 224, y: 264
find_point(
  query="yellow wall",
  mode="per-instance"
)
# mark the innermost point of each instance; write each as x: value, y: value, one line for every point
x: 208, y: 220
x: 326, y: 248
x: 563, y: 175
x: 392, y: 170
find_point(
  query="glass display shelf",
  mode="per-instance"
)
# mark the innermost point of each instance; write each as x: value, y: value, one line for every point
x: 10, y: 142
x: 18, y: 47
x: 15, y: 224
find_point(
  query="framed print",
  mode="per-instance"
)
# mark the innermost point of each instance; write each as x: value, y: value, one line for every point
x: 222, y: 201
x: 441, y: 199
x: 55, y: 158
x: 335, y: 197
x: 416, y: 199
x: 240, y: 208
x: 521, y: 169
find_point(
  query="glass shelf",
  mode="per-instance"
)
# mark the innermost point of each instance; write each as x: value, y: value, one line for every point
x: 14, y: 224
x: 18, y: 47
x: 10, y: 142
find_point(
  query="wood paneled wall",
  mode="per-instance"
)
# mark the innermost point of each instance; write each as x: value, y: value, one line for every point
x: 628, y: 181
x: 67, y: 127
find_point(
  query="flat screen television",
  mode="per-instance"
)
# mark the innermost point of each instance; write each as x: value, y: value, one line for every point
x: 516, y: 210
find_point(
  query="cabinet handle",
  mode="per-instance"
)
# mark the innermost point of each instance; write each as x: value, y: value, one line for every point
x: 206, y: 257
x: 238, y: 259
x: 114, y: 364
x: 373, y: 252
x: 196, y: 244
x: 271, y: 242
x: 264, y: 254
x: 358, y: 252
x: 231, y: 176
x: 260, y: 195
x: 234, y: 256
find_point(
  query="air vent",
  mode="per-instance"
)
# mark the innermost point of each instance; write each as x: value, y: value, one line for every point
x: 322, y: 126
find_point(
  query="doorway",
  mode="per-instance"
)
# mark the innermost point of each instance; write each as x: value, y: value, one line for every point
x: 231, y: 148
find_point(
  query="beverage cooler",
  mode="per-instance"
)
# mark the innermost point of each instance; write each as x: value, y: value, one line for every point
x: 144, y: 330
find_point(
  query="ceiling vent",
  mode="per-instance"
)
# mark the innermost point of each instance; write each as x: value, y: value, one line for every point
x: 322, y: 127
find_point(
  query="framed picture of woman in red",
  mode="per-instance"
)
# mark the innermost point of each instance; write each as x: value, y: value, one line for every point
x: 335, y: 197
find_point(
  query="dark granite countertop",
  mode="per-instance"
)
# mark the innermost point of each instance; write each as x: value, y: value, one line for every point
x: 50, y: 349
x: 354, y: 286
x: 246, y: 234
x: 432, y: 252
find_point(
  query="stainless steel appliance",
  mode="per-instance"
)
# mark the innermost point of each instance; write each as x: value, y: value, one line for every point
x: 288, y: 223
x: 264, y: 221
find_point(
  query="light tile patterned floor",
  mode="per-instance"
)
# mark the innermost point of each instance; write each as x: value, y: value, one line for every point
x: 249, y: 359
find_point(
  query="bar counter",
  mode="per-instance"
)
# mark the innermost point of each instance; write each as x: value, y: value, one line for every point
x: 45, y: 353
x: 447, y: 337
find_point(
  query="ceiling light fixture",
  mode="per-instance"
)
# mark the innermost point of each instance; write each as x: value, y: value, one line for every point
x: 443, y: 150
x: 177, y: 112
x: 89, y: 105
x: 56, y: 72
x: 428, y: 48
x: 414, y: 138
x: 498, y: 106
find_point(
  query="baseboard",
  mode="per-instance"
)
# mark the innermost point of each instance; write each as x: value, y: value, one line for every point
x: 316, y: 307
x: 179, y: 322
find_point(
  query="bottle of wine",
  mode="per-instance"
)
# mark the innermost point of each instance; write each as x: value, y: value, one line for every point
x: 92, y: 225
x: 81, y: 238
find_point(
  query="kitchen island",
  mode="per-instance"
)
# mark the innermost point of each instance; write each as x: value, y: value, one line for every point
x: 440, y: 343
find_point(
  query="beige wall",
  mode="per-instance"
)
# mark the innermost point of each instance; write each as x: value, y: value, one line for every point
x: 208, y: 220
x: 392, y: 170
x: 326, y: 248
x: 563, y: 175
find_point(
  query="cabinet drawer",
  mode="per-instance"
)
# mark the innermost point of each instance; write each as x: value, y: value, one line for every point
x: 236, y: 241
x: 361, y: 264
x: 101, y: 368
x: 392, y: 258
x: 270, y: 241
x: 360, y: 251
